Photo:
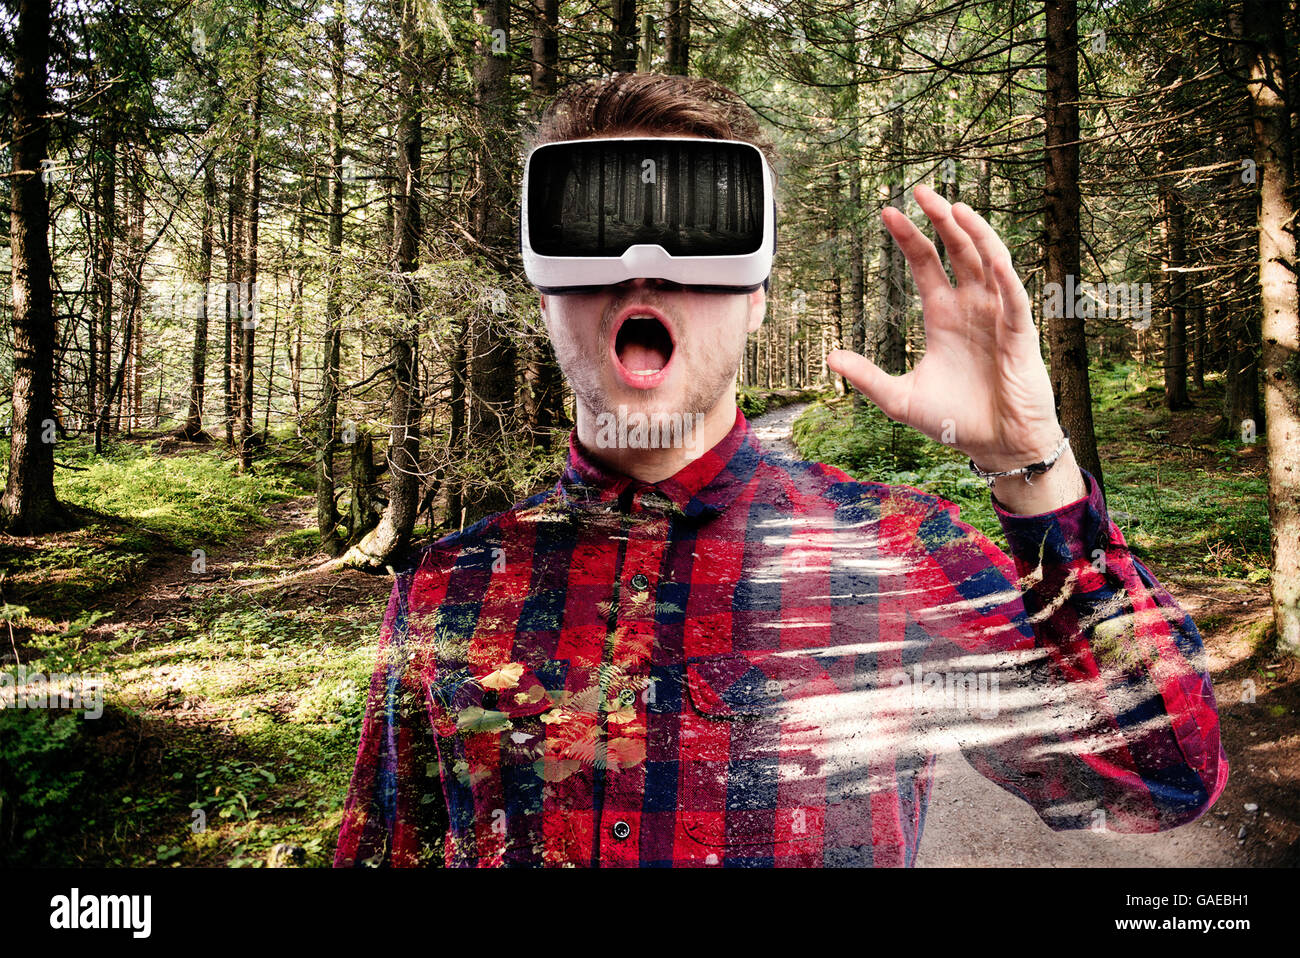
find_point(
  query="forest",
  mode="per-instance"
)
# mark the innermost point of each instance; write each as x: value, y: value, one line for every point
x: 269, y: 331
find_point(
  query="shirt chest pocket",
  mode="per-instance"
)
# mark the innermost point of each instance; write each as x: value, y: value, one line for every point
x: 747, y: 790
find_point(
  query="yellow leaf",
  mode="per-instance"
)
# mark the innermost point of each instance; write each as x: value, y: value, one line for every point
x: 625, y: 752
x: 506, y: 677
x: 622, y: 716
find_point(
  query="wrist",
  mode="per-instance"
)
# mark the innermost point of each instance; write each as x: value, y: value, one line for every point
x: 1038, y: 460
x: 1060, y: 486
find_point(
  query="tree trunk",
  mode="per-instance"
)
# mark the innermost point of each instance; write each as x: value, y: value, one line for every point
x: 29, y: 504
x: 137, y: 377
x: 546, y: 45
x: 138, y: 291
x: 857, y: 249
x: 1173, y: 255
x: 492, y: 357
x: 327, y: 517
x: 270, y: 375
x: 293, y: 338
x: 1069, y: 346
x: 361, y: 510
x: 892, y: 351
x: 677, y: 36
x: 131, y: 392
x: 106, y: 219
x: 393, y: 534
x: 645, y: 52
x: 248, y: 291
x: 622, y: 40
x: 984, y: 188
x: 1242, y: 407
x: 542, y: 374
x: 193, y: 428
x: 1271, y: 126
x: 234, y: 272
x: 1198, y: 344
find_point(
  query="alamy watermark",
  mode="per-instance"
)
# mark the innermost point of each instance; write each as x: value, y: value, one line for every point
x: 974, y: 692
x: 21, y: 689
x: 1100, y: 300
x: 640, y: 430
x: 182, y: 301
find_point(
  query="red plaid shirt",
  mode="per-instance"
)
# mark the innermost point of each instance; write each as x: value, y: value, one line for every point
x: 754, y: 663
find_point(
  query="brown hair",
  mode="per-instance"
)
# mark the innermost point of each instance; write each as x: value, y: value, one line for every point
x: 654, y: 104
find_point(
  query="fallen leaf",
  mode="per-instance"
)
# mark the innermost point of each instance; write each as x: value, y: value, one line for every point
x: 475, y: 719
x: 534, y: 694
x: 506, y: 677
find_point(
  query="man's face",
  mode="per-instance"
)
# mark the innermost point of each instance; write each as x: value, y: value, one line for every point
x: 651, y: 347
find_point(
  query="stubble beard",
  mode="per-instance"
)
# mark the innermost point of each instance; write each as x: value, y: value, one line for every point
x: 586, y: 377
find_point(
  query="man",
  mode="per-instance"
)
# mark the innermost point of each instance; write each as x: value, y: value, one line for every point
x: 694, y: 652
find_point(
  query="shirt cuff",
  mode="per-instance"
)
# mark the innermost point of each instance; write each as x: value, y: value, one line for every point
x: 1074, y: 531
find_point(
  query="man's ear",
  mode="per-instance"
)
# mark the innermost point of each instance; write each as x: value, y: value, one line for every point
x: 757, y: 309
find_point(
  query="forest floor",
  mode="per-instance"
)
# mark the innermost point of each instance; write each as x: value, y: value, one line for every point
x: 237, y: 680
x: 237, y: 675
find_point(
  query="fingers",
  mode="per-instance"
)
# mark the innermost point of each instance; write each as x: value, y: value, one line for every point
x: 886, y: 391
x: 967, y: 265
x: 998, y: 268
x: 920, y: 253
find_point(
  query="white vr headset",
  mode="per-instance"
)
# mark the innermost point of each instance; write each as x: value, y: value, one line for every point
x: 686, y: 210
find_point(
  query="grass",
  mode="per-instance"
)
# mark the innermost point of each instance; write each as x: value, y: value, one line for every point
x: 1194, y: 503
x: 866, y: 444
x: 226, y: 730
x: 228, y: 726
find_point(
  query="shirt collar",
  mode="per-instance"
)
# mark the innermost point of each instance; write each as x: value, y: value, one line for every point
x: 703, y: 487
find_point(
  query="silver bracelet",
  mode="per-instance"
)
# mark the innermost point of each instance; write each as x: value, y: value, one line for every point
x: 1033, y: 469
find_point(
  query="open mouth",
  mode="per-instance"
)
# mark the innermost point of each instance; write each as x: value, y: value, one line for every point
x: 643, y: 347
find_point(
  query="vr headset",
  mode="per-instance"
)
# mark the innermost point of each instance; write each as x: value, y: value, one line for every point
x: 690, y: 211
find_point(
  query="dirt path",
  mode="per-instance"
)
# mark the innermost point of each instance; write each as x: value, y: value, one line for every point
x: 773, y: 428
x: 972, y: 821
x: 163, y: 590
x: 166, y: 591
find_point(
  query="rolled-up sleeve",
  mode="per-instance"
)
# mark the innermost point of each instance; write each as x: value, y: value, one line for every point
x: 1115, y: 720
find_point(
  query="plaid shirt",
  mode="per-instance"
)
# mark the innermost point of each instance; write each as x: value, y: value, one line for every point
x: 754, y: 663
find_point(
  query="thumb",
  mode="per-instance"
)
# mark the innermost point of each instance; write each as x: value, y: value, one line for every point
x: 886, y: 391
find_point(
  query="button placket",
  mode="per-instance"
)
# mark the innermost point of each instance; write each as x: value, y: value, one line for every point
x: 630, y: 654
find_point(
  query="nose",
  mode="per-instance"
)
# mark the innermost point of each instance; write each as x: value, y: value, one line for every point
x: 646, y: 283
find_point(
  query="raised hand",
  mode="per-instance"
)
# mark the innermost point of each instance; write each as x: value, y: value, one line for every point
x: 981, y: 386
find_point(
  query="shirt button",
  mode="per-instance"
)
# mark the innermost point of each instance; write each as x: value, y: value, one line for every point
x: 621, y: 830
x: 640, y: 582
x: 627, y: 698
